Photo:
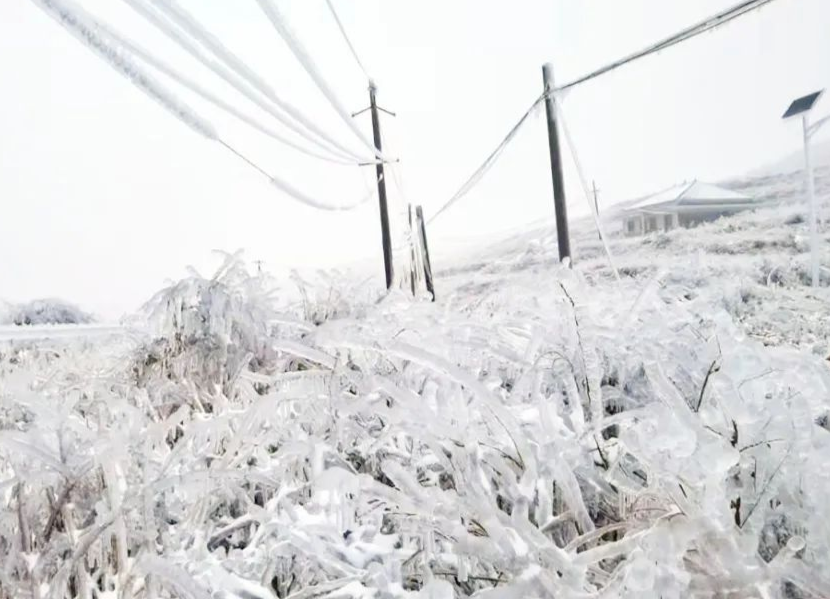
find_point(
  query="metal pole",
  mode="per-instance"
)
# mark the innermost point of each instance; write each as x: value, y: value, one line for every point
x: 811, y: 193
x: 422, y: 231
x: 386, y: 237
x: 556, y: 167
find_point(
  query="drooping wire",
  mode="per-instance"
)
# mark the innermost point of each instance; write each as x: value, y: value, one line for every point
x: 488, y: 163
x: 293, y: 191
x: 87, y: 30
x: 188, y: 83
x: 346, y: 37
x: 703, y: 26
x: 304, y: 58
x: 583, y: 181
x: 177, y: 24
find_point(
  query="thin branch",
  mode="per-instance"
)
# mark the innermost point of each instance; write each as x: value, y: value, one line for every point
x: 25, y: 539
x: 56, y: 509
x: 713, y: 368
x: 764, y: 442
x: 765, y: 487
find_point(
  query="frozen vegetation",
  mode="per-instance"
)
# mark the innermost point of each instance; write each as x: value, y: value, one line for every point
x: 44, y: 311
x: 539, y: 432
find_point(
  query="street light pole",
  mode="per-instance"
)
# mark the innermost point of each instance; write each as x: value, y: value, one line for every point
x: 811, y: 194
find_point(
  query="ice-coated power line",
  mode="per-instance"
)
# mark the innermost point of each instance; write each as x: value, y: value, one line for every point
x: 228, y: 75
x: 293, y: 191
x: 698, y: 28
x: 304, y: 57
x: 86, y: 29
x: 177, y: 24
x: 346, y: 37
x: 189, y: 23
x: 488, y: 162
x: 146, y: 56
x: 584, y: 182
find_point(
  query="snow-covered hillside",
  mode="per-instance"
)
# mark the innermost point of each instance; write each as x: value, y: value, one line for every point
x: 819, y: 152
x: 538, y: 432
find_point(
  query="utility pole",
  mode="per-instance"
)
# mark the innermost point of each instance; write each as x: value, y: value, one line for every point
x: 811, y: 194
x: 411, y: 252
x: 560, y: 206
x: 802, y: 107
x: 422, y: 232
x: 386, y: 237
x: 596, y: 204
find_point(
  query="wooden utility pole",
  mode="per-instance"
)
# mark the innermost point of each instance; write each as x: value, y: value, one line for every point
x: 422, y: 232
x: 560, y: 206
x: 386, y: 236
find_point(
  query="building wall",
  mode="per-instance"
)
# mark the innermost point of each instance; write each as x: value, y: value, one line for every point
x: 640, y: 224
x: 632, y: 226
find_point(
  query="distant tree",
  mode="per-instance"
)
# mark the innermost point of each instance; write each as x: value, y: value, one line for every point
x: 48, y: 311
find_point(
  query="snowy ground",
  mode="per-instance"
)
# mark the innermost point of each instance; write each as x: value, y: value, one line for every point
x: 539, y: 432
x: 755, y: 265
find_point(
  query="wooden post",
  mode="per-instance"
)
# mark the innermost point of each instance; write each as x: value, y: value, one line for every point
x: 422, y: 232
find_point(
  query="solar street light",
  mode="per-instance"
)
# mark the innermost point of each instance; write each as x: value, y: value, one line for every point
x: 802, y: 107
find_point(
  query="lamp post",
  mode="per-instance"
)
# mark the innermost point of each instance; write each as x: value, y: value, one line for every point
x: 802, y: 107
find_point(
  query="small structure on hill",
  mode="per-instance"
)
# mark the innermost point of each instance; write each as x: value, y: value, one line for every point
x: 684, y: 205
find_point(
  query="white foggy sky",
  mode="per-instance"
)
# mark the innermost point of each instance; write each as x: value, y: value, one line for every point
x: 105, y: 194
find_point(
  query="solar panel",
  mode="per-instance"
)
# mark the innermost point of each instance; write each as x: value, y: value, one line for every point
x: 802, y: 104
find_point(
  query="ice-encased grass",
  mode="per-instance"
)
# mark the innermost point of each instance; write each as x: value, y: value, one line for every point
x: 529, y: 438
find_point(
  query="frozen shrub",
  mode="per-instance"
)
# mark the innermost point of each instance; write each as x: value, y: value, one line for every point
x: 206, y: 333
x: 48, y: 311
x: 795, y: 219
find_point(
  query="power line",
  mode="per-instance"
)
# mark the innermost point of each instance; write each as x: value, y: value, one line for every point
x: 88, y: 31
x: 488, y: 162
x: 83, y: 26
x: 304, y: 58
x: 290, y: 189
x: 188, y: 83
x: 583, y: 181
x: 688, y: 33
x: 346, y: 37
x: 180, y: 26
x: 681, y: 36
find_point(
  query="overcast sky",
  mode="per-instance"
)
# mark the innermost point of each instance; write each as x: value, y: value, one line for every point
x: 105, y: 194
